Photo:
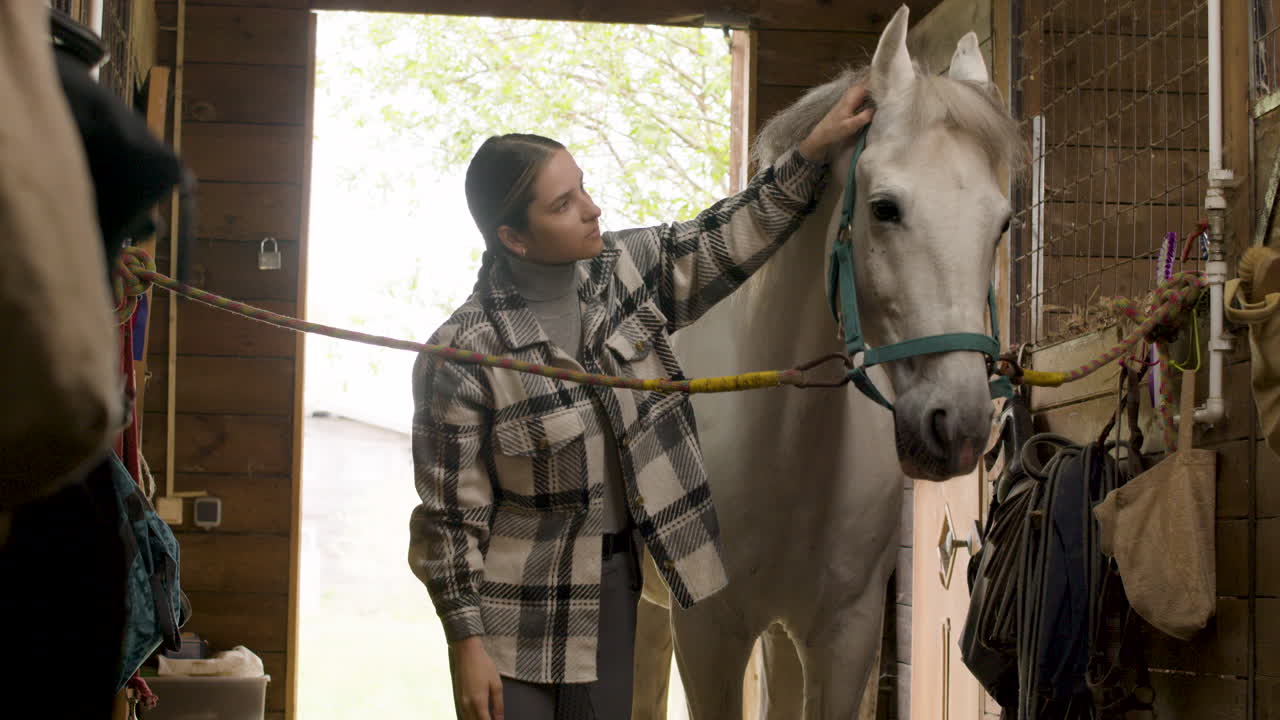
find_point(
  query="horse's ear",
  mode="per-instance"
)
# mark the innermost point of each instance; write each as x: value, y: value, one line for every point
x: 891, y: 69
x: 967, y: 63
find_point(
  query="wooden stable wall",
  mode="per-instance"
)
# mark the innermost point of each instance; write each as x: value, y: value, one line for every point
x: 1231, y: 670
x: 237, y: 434
x: 244, y: 133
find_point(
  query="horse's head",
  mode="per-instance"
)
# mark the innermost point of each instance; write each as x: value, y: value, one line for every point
x: 929, y: 213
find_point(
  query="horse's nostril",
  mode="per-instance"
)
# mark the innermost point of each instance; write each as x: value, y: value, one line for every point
x: 938, y: 430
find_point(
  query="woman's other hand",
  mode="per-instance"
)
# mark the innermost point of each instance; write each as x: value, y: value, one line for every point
x: 476, y: 681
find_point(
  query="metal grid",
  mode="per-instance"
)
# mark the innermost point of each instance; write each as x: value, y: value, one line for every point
x: 116, y: 73
x: 1113, y: 99
x: 1266, y: 32
x: 72, y: 8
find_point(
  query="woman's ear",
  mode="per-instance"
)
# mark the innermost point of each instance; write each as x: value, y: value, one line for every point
x: 514, y: 240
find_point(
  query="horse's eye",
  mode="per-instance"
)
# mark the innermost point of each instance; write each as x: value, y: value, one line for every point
x: 886, y: 211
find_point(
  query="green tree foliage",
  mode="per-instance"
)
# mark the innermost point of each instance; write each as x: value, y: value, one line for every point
x: 645, y: 108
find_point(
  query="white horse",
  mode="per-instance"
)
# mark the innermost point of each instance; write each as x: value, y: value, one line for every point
x: 808, y: 483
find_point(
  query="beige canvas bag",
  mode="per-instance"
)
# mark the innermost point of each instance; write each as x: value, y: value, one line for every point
x: 1159, y: 527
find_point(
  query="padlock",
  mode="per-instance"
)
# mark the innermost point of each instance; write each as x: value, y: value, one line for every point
x: 269, y: 259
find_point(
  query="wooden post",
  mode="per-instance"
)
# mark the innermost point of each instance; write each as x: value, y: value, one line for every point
x: 299, y: 378
x: 157, y: 116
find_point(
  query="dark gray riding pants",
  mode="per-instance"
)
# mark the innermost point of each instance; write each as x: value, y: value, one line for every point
x: 609, y: 697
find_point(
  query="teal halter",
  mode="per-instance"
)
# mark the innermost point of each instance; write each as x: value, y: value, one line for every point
x: 843, y: 296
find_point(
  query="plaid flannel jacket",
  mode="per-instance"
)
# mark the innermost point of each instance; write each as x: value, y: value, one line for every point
x: 509, y: 466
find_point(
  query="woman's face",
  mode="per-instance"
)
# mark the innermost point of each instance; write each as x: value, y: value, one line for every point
x: 564, y: 224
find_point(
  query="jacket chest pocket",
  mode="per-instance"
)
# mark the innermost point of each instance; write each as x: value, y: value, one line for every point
x: 542, y: 461
x: 639, y: 342
x: 640, y: 347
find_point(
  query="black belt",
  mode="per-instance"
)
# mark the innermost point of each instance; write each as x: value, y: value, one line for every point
x: 612, y: 543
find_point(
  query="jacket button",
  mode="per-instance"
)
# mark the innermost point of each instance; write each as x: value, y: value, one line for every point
x: 544, y: 443
x: 668, y: 564
x: 641, y: 345
x: 640, y: 500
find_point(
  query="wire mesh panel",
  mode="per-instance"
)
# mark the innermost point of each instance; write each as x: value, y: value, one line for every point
x: 1113, y: 97
x: 115, y: 73
x: 70, y: 7
x: 1266, y: 32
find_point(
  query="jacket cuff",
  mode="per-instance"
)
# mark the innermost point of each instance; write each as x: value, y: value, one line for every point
x: 462, y: 624
x: 799, y: 177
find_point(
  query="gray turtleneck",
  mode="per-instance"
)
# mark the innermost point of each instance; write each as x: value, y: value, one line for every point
x: 551, y: 292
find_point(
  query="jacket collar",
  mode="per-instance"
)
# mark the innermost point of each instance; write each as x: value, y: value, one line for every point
x: 510, y: 314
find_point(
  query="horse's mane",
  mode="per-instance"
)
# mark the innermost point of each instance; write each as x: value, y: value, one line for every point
x: 975, y: 109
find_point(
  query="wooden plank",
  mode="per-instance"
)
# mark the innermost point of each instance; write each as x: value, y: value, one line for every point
x: 245, y: 153
x: 904, y: 570
x: 1233, y: 479
x: 230, y: 269
x: 296, y: 4
x: 1267, y: 138
x: 1203, y: 697
x: 866, y: 15
x: 1123, y: 230
x: 299, y: 378
x: 227, y: 619
x: 1222, y: 648
x: 1268, y: 479
x: 247, y: 212
x: 1070, y: 354
x: 742, y: 51
x: 1083, y: 421
x: 1231, y: 548
x: 1268, y: 562
x: 1268, y: 698
x: 904, y: 691
x: 222, y: 444
x: 157, y: 117
x: 1072, y: 282
x: 1238, y: 394
x: 251, y: 502
x: 230, y: 385
x: 1237, y: 119
x: 167, y: 9
x: 1124, y: 118
x: 932, y: 40
x: 1267, y: 625
x: 253, y: 35
x: 275, y: 664
x: 218, y: 562
x: 1120, y: 62
x: 226, y: 93
x: 1093, y: 174
x: 806, y: 59
x: 209, y: 331
x: 771, y: 99
x: 1125, y: 17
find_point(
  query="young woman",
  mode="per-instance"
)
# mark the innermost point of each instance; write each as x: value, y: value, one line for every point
x: 536, y: 493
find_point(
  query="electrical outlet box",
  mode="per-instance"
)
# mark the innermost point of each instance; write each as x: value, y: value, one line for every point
x: 170, y: 509
x: 206, y: 512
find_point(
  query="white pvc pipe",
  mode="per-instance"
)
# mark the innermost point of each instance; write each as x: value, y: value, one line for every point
x: 1215, y: 85
x: 1214, y: 408
x: 95, y: 24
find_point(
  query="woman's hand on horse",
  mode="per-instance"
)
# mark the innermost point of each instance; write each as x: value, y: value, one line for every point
x: 839, y: 124
x: 476, y: 681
